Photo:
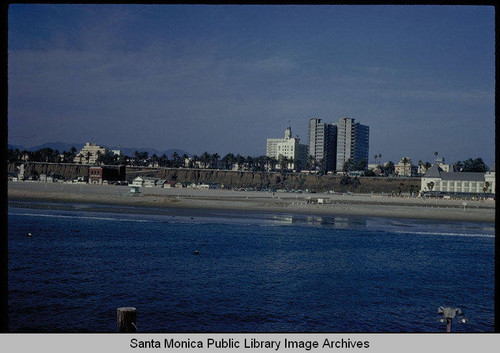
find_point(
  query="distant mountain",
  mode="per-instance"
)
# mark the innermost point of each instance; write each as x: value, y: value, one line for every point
x: 59, y: 146
x: 13, y: 147
x: 128, y: 151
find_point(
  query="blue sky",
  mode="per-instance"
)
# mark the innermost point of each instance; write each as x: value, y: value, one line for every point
x: 224, y: 78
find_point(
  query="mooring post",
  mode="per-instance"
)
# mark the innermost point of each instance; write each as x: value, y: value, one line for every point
x: 448, y: 325
x: 127, y: 319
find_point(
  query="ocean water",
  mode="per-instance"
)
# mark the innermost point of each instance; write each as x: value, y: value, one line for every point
x: 253, y: 272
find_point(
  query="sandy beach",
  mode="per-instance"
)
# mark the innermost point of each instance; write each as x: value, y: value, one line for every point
x: 372, y: 205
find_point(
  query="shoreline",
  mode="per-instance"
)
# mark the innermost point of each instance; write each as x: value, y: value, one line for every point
x: 172, y: 200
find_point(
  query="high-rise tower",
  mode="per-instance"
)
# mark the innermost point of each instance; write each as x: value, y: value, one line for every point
x: 323, y: 143
x: 352, y: 142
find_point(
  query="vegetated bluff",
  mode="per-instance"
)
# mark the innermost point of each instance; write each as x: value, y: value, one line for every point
x: 240, y: 179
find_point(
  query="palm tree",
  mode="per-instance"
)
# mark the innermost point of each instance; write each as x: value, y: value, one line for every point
x: 283, y: 162
x: 228, y: 161
x: 231, y: 159
x: 163, y: 160
x: 458, y: 166
x: 176, y: 162
x: 297, y: 164
x: 311, y: 162
x: 388, y: 168
x: 240, y: 161
x: 185, y: 158
x: 154, y: 160
x: 193, y: 163
x: 273, y: 163
x: 420, y: 164
x: 485, y: 188
x: 261, y: 163
x: 347, y: 166
x: 214, y: 160
x: 249, y: 162
x: 205, y: 159
x: 321, y: 165
x: 405, y: 161
x: 26, y: 155
x: 136, y: 157
x: 430, y: 185
x: 400, y: 188
x: 99, y: 158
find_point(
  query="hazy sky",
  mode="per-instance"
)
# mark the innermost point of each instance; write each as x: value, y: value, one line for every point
x: 224, y: 78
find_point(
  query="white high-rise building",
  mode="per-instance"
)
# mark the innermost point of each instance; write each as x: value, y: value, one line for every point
x: 289, y: 147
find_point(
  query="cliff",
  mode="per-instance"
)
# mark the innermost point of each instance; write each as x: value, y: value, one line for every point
x: 240, y: 179
x: 67, y: 170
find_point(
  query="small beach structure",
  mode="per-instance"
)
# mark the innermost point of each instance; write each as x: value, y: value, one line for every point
x: 134, y: 190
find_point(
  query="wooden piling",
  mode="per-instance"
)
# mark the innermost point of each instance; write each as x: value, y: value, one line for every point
x: 448, y: 325
x: 127, y: 319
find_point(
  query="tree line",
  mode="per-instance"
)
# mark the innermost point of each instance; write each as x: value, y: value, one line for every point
x: 143, y: 158
x: 215, y: 161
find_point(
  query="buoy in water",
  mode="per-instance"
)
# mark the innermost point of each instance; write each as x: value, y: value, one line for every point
x: 196, y: 252
x: 29, y: 234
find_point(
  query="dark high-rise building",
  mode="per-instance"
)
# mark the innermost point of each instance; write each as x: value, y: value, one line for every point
x: 352, y: 142
x: 335, y: 143
x: 323, y: 143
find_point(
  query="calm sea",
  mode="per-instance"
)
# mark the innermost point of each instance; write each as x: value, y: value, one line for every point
x: 252, y: 273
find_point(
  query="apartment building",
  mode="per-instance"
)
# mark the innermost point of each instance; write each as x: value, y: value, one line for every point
x: 405, y: 168
x: 89, y: 153
x: 323, y: 143
x: 352, y: 142
x: 289, y: 147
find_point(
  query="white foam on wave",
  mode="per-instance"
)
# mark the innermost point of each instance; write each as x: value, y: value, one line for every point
x: 243, y: 221
x: 477, y: 235
x: 45, y: 215
x: 164, y: 219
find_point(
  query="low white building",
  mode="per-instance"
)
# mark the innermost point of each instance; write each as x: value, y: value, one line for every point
x: 489, y: 178
x: 405, y: 168
x: 148, y: 182
x: 137, y: 182
x: 440, y: 161
x: 438, y: 181
x: 44, y: 178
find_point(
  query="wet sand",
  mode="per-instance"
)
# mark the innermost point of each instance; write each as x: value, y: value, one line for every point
x: 371, y: 205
